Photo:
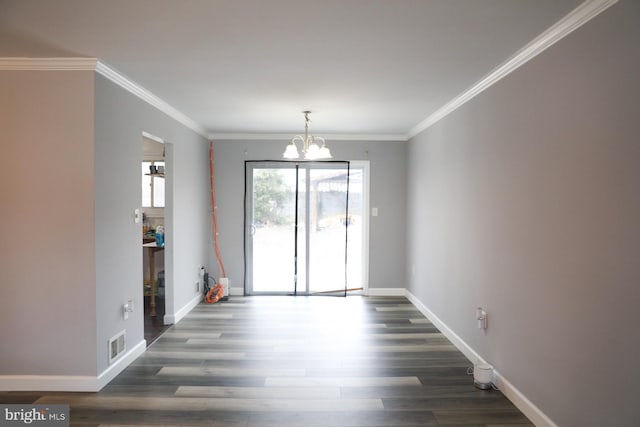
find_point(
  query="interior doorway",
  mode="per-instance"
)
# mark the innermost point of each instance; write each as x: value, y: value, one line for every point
x: 153, y: 176
x: 305, y: 228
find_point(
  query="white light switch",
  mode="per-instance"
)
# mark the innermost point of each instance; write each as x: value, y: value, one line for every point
x: 136, y: 216
x: 374, y: 211
x: 126, y: 309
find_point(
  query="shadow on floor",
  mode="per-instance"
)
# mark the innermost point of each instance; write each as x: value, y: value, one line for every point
x: 154, y: 326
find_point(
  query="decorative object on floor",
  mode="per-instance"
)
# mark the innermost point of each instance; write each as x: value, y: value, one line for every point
x: 313, y: 147
x: 483, y: 376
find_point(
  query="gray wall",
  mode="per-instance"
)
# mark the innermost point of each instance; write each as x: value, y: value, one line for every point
x: 388, y: 193
x: 526, y: 201
x: 120, y: 120
x: 47, y: 267
x: 69, y: 183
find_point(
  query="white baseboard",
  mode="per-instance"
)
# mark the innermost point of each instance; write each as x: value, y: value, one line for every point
x: 535, y: 415
x: 470, y: 353
x: 171, y: 319
x: 120, y: 364
x: 384, y: 292
x: 48, y: 383
x: 83, y: 383
x: 531, y: 411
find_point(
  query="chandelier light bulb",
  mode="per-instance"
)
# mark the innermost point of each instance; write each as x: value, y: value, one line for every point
x: 324, y: 153
x: 313, y: 152
x: 291, y: 152
x: 310, y: 144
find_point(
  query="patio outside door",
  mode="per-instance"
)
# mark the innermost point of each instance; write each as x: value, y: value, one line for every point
x: 304, y: 227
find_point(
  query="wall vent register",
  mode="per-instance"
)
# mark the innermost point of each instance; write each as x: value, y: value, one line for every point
x: 117, y: 346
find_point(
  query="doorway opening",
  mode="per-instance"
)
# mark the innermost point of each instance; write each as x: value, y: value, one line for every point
x: 306, y: 228
x: 153, y: 174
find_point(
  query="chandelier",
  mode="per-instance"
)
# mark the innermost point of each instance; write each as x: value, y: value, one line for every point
x: 313, y: 147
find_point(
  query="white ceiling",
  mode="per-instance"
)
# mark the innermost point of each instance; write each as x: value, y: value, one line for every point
x: 364, y: 67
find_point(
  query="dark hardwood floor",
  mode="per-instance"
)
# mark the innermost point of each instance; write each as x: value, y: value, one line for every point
x: 294, y: 361
x: 154, y: 325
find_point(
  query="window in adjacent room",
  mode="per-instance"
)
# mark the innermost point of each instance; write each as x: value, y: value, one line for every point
x: 153, y: 184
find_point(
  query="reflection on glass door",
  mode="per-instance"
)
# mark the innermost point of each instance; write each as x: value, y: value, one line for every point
x: 335, y: 229
x: 304, y: 227
x: 272, y: 229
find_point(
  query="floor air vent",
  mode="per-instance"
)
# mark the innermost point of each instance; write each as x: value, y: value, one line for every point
x: 117, y: 346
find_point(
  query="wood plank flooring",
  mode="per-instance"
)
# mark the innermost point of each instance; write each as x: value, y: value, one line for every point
x: 154, y: 325
x: 294, y: 361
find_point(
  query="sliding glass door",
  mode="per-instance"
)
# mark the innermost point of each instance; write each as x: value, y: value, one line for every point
x: 304, y: 227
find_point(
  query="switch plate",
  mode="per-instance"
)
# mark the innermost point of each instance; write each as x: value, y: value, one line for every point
x: 481, y: 317
x: 136, y: 216
x: 126, y: 309
x: 374, y: 211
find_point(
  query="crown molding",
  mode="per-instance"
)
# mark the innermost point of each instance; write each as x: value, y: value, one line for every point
x: 48, y: 64
x: 153, y: 137
x: 572, y: 21
x: 147, y: 96
x: 93, y: 64
x: 287, y: 136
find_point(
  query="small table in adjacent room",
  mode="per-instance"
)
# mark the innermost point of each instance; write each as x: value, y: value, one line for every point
x: 152, y: 248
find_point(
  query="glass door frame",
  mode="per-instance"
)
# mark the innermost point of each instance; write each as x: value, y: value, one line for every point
x: 303, y: 167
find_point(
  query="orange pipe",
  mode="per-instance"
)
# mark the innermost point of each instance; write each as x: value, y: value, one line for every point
x: 214, y: 216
